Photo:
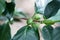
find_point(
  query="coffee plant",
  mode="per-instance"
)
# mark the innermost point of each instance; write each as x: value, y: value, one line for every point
x: 32, y: 30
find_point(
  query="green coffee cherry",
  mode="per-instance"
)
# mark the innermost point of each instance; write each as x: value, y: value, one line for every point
x: 35, y: 25
x: 29, y: 21
x: 48, y: 22
x: 36, y: 16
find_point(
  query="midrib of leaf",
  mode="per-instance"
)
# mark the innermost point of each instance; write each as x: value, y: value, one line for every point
x: 48, y: 33
x: 24, y: 33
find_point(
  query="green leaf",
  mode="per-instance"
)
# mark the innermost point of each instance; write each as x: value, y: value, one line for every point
x: 26, y: 33
x: 38, y: 9
x: 12, y: 0
x: 2, y: 6
x: 57, y: 1
x: 56, y: 33
x: 51, y: 34
x: 55, y: 18
x: 5, y: 32
x: 47, y: 32
x: 51, y: 9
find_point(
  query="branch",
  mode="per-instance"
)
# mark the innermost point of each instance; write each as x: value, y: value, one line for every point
x: 27, y: 19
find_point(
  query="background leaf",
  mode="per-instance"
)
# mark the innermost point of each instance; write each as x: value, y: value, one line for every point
x: 57, y: 1
x: 55, y: 18
x: 56, y: 33
x: 51, y: 9
x: 47, y: 32
x: 5, y: 32
x: 9, y: 8
x: 36, y: 8
x: 3, y: 18
x: 2, y: 6
x: 19, y: 14
x: 26, y: 33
